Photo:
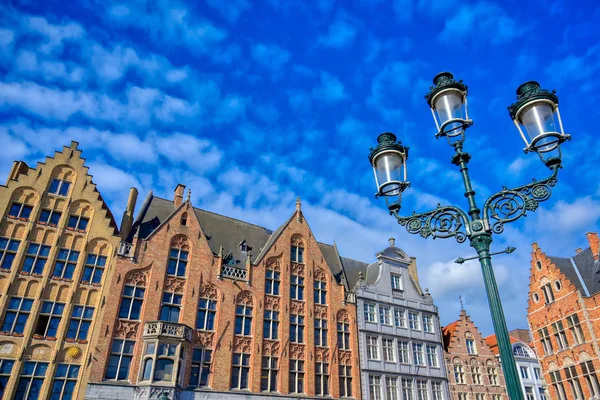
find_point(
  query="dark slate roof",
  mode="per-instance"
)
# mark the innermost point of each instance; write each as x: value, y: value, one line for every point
x: 582, y: 270
x: 333, y: 259
x: 353, y: 268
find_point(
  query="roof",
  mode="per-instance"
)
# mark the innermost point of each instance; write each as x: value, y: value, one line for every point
x: 353, y: 268
x: 229, y: 233
x: 448, y: 332
x: 582, y: 270
x: 492, y: 343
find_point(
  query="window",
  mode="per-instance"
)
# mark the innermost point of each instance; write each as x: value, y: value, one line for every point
x: 396, y: 283
x: 5, y: 370
x: 297, y: 288
x: 183, y: 221
x: 538, y: 264
x: 49, y: 319
x: 35, y: 260
x: 432, y: 358
x: 207, y: 310
x: 17, y: 312
x: 470, y: 346
x: 31, y: 380
x: 121, y: 354
x: 385, y: 315
x: 65, y: 264
x: 78, y: 223
x: 418, y: 355
x: 546, y: 342
x: 589, y: 373
x: 320, y: 292
x: 575, y: 328
x: 268, y: 377
x: 8, y: 251
x: 543, y: 394
x: 372, y: 348
x: 243, y: 320
x: 556, y: 382
x: 481, y: 396
x: 389, y: 354
x: 94, y: 268
x: 524, y: 372
x: 171, y: 306
x: 296, y: 329
x: 463, y: 396
x: 65, y: 379
x: 163, y: 371
x: 272, y: 283
x: 399, y: 318
x: 320, y: 332
x: 427, y: 323
x: 403, y: 352
x: 407, y: 389
x: 297, y: 254
x: 49, y: 217
x: 369, y: 309
x: 201, y: 362
x: 271, y: 325
x: 131, y: 302
x: 548, y: 293
x: 391, y: 388
x: 148, y: 368
x: 413, y: 321
x: 528, y: 393
x: 573, y: 382
x: 375, y: 387
x: 178, y: 260
x: 81, y: 319
x: 296, y: 376
x: 520, y: 350
x: 436, y: 391
x: 59, y: 187
x: 20, y: 210
x: 345, y: 381
x: 343, y: 335
x: 476, y: 375
x: 559, y: 335
x: 321, y: 379
x: 493, y: 375
x: 557, y: 285
x: 537, y: 373
x: 459, y: 374
x: 422, y: 392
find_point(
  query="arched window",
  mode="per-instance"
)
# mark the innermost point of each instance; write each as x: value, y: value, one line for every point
x: 178, y: 256
x: 243, y: 314
x: 164, y: 370
x: 520, y: 350
x: 320, y: 287
x: 272, y: 277
x: 184, y: 218
x: 147, y: 369
x: 297, y: 249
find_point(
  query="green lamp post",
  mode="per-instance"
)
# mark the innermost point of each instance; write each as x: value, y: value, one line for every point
x: 537, y: 118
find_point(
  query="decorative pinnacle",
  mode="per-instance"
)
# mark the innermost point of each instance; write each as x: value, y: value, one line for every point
x: 392, y: 241
x: 189, y: 194
x: 298, y: 204
x: 462, y: 305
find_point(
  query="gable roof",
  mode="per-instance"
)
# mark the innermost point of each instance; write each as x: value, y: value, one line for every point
x: 582, y: 270
x: 492, y: 343
x: 353, y: 269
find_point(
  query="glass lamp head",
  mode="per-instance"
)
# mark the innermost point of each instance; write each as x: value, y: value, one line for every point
x: 388, y: 160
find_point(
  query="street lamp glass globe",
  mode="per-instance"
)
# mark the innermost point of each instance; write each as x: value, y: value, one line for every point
x: 538, y: 121
x: 449, y: 110
x: 390, y: 172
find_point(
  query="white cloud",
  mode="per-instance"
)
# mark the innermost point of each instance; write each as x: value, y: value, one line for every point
x: 180, y: 148
x: 54, y: 35
x: 340, y: 34
x: 270, y: 55
x: 230, y: 9
x: 329, y: 89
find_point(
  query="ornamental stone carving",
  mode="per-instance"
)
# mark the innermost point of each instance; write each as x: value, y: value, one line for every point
x: 180, y: 242
x: 273, y: 264
x: 244, y: 298
x: 296, y: 351
x: 270, y: 348
x: 297, y: 269
x: 205, y: 339
x: 271, y: 303
x: 174, y: 284
x: 136, y: 278
x: 320, y: 275
x: 345, y: 357
x: 343, y: 316
x: 208, y: 291
x: 126, y: 329
x: 322, y: 354
x: 320, y: 311
x: 242, y: 344
x: 297, y: 307
x: 297, y: 240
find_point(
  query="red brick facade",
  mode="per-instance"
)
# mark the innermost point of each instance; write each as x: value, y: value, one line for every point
x: 474, y: 372
x: 563, y: 316
x: 183, y: 230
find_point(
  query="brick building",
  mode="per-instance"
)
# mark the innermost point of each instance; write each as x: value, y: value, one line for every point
x: 206, y: 306
x: 474, y: 371
x: 563, y: 312
x: 57, y: 245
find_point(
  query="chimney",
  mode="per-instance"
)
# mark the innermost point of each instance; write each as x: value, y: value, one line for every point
x: 592, y: 237
x: 578, y: 250
x: 178, y: 197
x: 127, y: 220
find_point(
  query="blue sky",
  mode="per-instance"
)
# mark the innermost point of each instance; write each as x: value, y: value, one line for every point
x: 252, y: 103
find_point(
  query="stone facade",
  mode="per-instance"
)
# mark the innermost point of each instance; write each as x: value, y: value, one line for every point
x: 400, y: 340
x: 57, y: 250
x: 474, y: 371
x: 563, y: 313
x: 209, y: 323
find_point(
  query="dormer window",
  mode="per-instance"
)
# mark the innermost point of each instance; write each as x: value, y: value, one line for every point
x: 244, y: 248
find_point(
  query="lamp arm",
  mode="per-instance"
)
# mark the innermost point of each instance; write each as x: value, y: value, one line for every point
x: 511, y: 204
x: 442, y: 222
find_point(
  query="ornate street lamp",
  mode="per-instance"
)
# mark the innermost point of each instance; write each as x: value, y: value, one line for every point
x: 536, y: 116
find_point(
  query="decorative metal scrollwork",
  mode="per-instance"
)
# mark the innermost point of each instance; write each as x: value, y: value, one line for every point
x: 511, y: 204
x: 443, y: 222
